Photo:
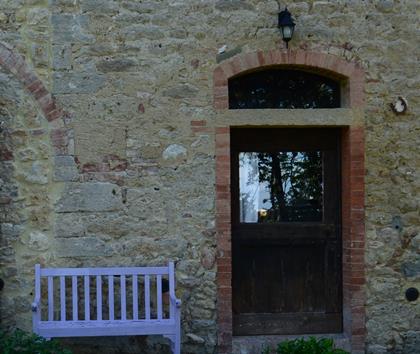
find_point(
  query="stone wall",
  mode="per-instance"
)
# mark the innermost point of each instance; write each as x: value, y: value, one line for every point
x: 26, y: 197
x: 135, y: 79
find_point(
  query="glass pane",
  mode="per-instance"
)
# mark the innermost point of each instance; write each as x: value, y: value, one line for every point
x: 280, y: 186
x: 276, y: 88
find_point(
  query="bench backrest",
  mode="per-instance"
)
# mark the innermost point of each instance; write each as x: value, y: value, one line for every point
x: 105, y: 294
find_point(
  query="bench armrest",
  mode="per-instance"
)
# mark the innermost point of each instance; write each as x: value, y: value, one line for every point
x: 176, y: 302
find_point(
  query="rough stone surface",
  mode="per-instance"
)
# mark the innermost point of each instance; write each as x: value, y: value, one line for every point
x: 26, y: 195
x: 174, y: 151
x: 90, y: 196
x: 65, y: 169
x: 133, y: 78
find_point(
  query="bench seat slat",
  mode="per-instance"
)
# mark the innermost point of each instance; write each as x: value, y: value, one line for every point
x: 104, y: 271
x: 123, y: 298
x: 74, y: 297
x: 135, y: 298
x: 99, y: 297
x: 50, y: 299
x: 87, y: 297
x: 62, y: 298
x: 111, y: 296
x: 105, y: 328
x: 159, y: 296
x: 147, y: 296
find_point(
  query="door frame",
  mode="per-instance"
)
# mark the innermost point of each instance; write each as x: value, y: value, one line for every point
x: 350, y: 120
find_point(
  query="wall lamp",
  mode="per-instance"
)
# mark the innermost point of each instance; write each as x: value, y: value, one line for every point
x: 286, y: 25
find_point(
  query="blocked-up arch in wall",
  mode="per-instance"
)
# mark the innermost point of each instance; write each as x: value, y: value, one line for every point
x: 31, y: 132
x: 61, y: 136
x: 344, y: 115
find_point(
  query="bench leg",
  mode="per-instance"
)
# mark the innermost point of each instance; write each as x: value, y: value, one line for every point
x: 177, y: 345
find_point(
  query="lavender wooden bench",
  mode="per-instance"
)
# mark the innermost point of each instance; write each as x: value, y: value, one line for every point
x: 76, y: 302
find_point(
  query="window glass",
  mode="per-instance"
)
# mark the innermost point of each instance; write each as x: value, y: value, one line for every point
x: 280, y: 187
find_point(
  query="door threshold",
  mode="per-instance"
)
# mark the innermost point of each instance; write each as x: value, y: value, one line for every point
x: 255, y: 344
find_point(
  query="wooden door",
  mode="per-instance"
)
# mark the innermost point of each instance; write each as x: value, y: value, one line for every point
x: 286, y: 236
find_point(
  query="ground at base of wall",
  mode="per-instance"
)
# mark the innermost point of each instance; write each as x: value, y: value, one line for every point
x: 117, y: 345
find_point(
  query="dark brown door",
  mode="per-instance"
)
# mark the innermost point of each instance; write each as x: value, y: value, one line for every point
x: 286, y: 233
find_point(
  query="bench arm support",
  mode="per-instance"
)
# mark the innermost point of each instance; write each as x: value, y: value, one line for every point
x: 35, y: 305
x: 36, y: 314
x: 176, y: 302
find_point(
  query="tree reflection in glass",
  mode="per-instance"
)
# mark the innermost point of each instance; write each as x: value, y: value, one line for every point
x: 280, y: 186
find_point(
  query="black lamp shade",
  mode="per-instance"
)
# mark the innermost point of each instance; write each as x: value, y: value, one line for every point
x: 286, y: 25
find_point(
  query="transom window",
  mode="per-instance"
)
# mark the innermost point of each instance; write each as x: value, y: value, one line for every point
x: 279, y: 88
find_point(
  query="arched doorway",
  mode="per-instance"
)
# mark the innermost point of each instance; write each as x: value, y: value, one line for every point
x: 286, y: 222
x: 339, y: 114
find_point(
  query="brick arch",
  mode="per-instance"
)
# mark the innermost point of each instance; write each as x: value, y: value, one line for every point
x: 351, y: 73
x: 61, y: 137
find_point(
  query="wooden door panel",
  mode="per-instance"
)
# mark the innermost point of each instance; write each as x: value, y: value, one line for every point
x: 287, y: 275
x: 287, y: 323
x: 275, y: 279
x: 284, y: 232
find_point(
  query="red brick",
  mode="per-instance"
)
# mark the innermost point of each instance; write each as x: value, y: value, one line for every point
x: 35, y: 85
x: 222, y: 153
x: 5, y: 153
x: 222, y: 130
x: 198, y: 123
x: 221, y: 103
x: 227, y: 68
x: 250, y: 61
x: 222, y: 135
x: 300, y: 57
x: 224, y: 292
x: 237, y: 65
x: 224, y: 281
x: 261, y: 58
x: 223, y: 188
x: 224, y: 349
x: 269, y: 57
x: 53, y: 115
x: 220, y: 92
x: 219, y: 77
x: 202, y: 130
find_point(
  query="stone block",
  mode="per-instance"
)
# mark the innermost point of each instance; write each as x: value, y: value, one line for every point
x: 174, y: 152
x: 99, y: 6
x: 136, y: 32
x: 181, y: 91
x: 77, y: 82
x: 37, y: 175
x: 70, y: 28
x: 69, y: 225
x: 115, y: 65
x: 233, y: 5
x: 65, y: 169
x: 10, y: 231
x: 61, y: 56
x: 411, y: 342
x: 411, y: 269
x: 90, y: 197
x: 37, y: 241
x: 80, y: 247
